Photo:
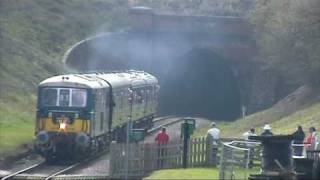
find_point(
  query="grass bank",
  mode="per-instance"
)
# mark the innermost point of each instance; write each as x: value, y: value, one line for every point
x: 16, y: 128
x: 191, y: 173
x: 197, y: 173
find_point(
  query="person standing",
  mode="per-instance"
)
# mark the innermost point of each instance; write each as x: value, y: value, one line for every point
x: 298, y: 137
x: 246, y: 135
x: 214, y: 133
x: 267, y: 130
x: 162, y: 138
x: 213, y: 136
x: 251, y: 132
x: 311, y: 139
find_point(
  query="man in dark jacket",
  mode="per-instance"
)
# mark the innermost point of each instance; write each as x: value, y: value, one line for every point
x: 298, y: 137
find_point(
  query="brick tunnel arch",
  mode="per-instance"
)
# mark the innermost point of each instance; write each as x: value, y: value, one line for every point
x: 201, y: 83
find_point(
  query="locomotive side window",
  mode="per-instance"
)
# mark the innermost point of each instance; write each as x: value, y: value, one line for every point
x: 49, y: 97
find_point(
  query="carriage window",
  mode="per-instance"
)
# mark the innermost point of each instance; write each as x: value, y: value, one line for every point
x: 49, y: 97
x: 64, y: 97
x: 139, y: 96
x: 79, y: 97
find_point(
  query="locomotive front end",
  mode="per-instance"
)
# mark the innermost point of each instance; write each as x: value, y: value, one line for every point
x: 63, y: 121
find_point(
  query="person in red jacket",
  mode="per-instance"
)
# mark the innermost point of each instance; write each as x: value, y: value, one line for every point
x: 162, y: 137
x: 310, y: 140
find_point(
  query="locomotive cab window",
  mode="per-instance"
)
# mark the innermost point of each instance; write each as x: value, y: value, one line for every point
x: 49, y: 97
x: 64, y: 97
x: 79, y: 97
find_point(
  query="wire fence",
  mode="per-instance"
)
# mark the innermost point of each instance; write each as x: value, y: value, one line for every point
x: 236, y: 159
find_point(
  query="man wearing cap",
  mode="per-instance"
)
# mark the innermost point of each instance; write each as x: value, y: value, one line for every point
x: 213, y: 136
x: 267, y: 131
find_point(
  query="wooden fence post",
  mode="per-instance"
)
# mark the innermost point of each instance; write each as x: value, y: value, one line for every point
x: 208, y: 150
x: 112, y: 166
x: 148, y: 158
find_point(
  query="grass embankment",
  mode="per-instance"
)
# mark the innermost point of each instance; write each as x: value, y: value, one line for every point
x: 191, y: 173
x: 197, y: 173
x: 17, y: 114
x: 15, y: 128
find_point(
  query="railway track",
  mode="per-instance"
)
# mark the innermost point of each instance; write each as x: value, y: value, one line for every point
x: 162, y: 118
x: 175, y: 119
x: 23, y: 170
x: 40, y: 171
x: 44, y: 171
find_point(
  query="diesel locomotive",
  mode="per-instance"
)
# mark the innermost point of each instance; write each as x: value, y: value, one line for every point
x: 80, y: 114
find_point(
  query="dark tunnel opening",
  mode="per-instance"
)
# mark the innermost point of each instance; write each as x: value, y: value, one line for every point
x: 200, y: 83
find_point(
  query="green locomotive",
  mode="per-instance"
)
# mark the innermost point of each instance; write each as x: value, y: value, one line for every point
x: 80, y: 114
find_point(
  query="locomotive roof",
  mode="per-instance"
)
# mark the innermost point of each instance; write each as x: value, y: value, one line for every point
x: 99, y: 80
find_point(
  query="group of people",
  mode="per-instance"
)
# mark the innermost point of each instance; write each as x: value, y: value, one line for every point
x: 301, y: 141
x: 266, y: 132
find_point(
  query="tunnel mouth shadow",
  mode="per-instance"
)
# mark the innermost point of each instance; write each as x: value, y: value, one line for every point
x: 200, y: 83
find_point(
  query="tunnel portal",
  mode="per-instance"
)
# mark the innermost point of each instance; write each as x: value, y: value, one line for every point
x: 200, y: 83
x: 203, y: 63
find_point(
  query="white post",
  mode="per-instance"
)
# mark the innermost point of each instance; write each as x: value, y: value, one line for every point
x: 243, y: 112
x: 127, y: 150
x: 130, y: 99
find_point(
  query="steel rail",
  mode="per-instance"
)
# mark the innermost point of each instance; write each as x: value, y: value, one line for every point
x: 23, y: 170
x: 76, y: 165
x: 165, y: 124
x: 63, y: 170
x: 163, y: 118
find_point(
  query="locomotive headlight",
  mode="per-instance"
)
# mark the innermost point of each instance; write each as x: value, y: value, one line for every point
x: 63, y: 126
x: 42, y: 137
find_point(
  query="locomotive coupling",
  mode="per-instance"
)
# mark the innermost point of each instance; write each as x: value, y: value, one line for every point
x: 42, y: 137
x: 82, y: 139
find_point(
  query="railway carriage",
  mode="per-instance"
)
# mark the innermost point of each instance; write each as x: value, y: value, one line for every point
x: 80, y: 114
